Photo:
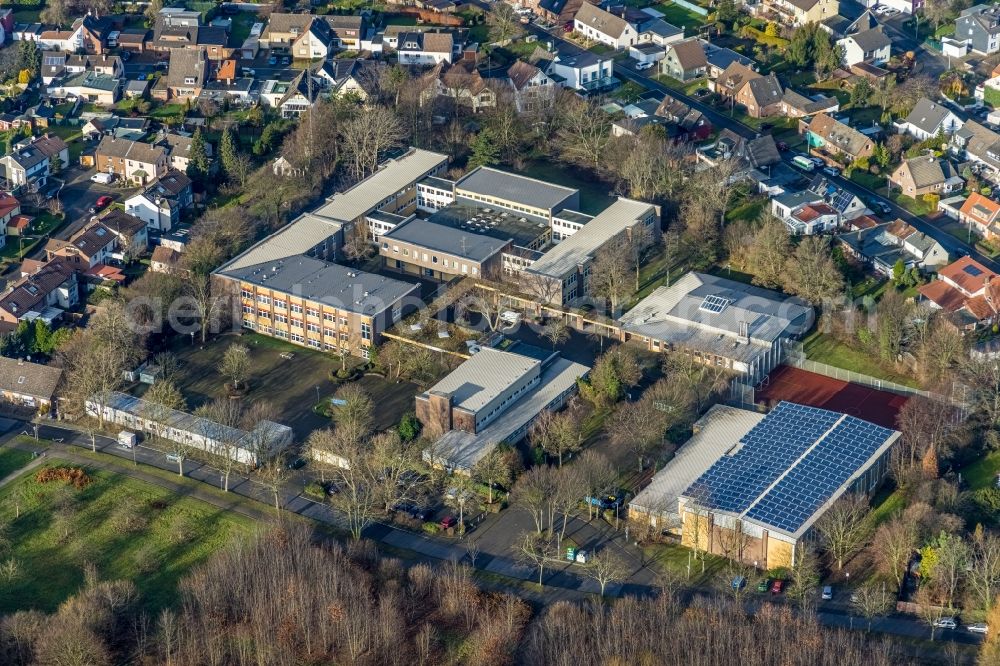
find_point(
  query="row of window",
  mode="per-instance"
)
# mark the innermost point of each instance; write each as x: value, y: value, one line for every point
x: 503, y: 204
x: 417, y: 256
x: 312, y: 342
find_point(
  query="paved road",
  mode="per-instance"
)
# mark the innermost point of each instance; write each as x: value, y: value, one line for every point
x: 563, y: 581
x: 624, y: 69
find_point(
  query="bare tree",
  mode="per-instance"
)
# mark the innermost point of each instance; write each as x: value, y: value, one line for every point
x: 533, y: 492
x: 556, y: 433
x: 892, y: 547
x: 584, y: 130
x: 497, y: 468
x: 536, y: 551
x: 556, y: 331
x: 871, y: 600
x: 570, y: 488
x: 983, y: 576
x: 842, y: 527
x: 804, y: 577
x: 597, y: 475
x: 229, y: 414
x: 272, y: 473
x: 235, y: 364
x: 367, y: 136
x: 611, y: 275
x: 353, y: 414
x: 928, y: 608
x: 504, y: 23
x: 606, y: 567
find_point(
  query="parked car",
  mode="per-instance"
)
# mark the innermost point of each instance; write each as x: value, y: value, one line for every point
x: 701, y: 92
x: 272, y: 61
x: 102, y: 178
x: 568, y: 28
x: 285, y: 60
x: 739, y: 583
x: 880, y: 207
x: 945, y: 623
x: 643, y: 65
x: 818, y: 161
x: 608, y: 500
x: 296, y: 463
x: 448, y: 522
x: 831, y: 171
x: 413, y: 510
x: 782, y: 145
x: 827, y: 592
x: 101, y: 203
x: 777, y: 586
x: 978, y: 628
x: 764, y: 585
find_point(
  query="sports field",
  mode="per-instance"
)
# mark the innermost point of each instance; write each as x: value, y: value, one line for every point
x: 809, y: 388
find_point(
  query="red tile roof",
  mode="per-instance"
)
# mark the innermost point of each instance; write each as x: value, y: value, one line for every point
x: 943, y: 295
x: 981, y: 209
x: 8, y: 203
x: 968, y: 274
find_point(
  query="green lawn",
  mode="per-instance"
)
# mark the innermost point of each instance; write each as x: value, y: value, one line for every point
x: 594, y: 194
x: 166, y: 110
x: 885, y: 504
x: 824, y: 349
x: 915, y: 206
x: 242, y: 22
x: 674, y: 558
x: 869, y: 180
x: 983, y: 472
x: 12, y: 460
x: 679, y: 16
x: 126, y: 528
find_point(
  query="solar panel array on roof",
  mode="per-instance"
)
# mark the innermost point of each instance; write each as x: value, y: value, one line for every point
x: 842, y: 200
x: 972, y: 270
x: 816, y: 450
x: 714, y: 304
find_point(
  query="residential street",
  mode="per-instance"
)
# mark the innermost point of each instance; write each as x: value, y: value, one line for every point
x: 624, y: 68
x: 563, y: 581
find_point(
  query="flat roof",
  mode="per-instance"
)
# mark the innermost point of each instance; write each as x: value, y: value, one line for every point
x: 578, y: 248
x: 392, y: 176
x: 438, y: 183
x: 322, y: 282
x: 462, y: 450
x: 573, y: 216
x: 442, y: 238
x: 298, y: 237
x: 704, y: 307
x: 507, y: 186
x: 714, y: 434
x: 484, y: 376
x: 523, y: 228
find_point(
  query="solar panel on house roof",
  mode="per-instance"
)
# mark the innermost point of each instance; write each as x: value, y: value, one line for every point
x: 972, y: 270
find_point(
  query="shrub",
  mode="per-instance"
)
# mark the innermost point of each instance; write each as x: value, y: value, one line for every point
x: 409, y: 427
x: 74, y: 476
x: 314, y: 489
x: 432, y: 528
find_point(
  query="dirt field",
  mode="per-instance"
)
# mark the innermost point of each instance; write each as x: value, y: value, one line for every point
x: 807, y: 388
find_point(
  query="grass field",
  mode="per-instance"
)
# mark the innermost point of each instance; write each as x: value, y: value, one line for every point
x: 12, y: 460
x: 983, y: 472
x: 679, y: 16
x: 674, y: 559
x: 824, y: 349
x: 126, y: 528
x: 594, y: 194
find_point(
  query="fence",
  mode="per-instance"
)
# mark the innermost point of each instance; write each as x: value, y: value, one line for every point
x: 691, y: 7
x: 855, y: 377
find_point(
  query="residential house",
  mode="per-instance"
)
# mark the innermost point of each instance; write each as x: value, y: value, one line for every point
x: 731, y: 80
x: 720, y: 58
x: 283, y: 29
x: 685, y: 60
x: 967, y: 290
x: 980, y: 145
x: 132, y: 161
x: 795, y: 105
x: 602, y: 26
x: 348, y: 31
x: 28, y: 384
x: 848, y: 206
x: 658, y: 32
x: 112, y: 125
x: 133, y: 40
x: 979, y: 27
x: 884, y: 245
x: 90, y: 87
x: 91, y: 246
x: 813, y: 218
x: 32, y: 161
x: 131, y: 234
x: 161, y: 204
x: 461, y: 83
x: 186, y: 75
x: 293, y: 98
x: 868, y: 46
x: 425, y: 48
x: 178, y: 148
x: 101, y: 64
x: 165, y: 260
x: 45, y: 292
x: 53, y: 66
x: 316, y: 42
x: 926, y: 174
x: 801, y: 12
x: 929, y: 119
x: 532, y: 89
x: 751, y: 154
x: 761, y: 96
x: 574, y: 68
x: 6, y: 26
x: 10, y: 208
x: 561, y: 12
x: 341, y: 77
x: 692, y: 124
x: 982, y: 214
x: 837, y: 141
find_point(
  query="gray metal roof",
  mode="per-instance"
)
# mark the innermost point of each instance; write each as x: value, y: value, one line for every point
x: 579, y: 247
x: 462, y: 450
x: 392, y: 176
x: 303, y: 234
x: 331, y: 284
x: 680, y: 313
x: 485, y: 181
x: 714, y: 434
x: 484, y: 376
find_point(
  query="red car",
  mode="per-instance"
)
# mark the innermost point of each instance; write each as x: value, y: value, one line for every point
x: 448, y: 522
x: 777, y: 586
x: 101, y: 203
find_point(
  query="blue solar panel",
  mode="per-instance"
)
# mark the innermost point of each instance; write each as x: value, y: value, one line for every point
x: 771, y: 448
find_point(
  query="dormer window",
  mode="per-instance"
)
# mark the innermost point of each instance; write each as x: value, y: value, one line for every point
x: 189, y: 80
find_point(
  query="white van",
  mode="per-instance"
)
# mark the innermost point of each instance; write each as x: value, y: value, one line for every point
x: 126, y: 439
x: 103, y: 178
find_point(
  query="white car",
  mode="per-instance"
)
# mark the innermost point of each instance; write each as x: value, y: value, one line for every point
x: 978, y: 628
x: 946, y: 623
x: 643, y: 65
